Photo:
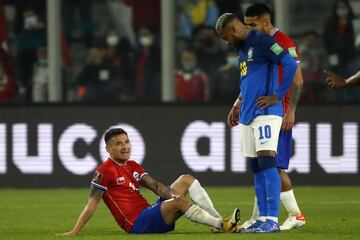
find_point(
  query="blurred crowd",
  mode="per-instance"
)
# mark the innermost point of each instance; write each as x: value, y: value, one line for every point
x: 111, y: 52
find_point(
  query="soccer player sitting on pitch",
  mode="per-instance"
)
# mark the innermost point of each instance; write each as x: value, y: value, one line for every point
x: 260, y: 108
x: 117, y: 182
x: 258, y: 16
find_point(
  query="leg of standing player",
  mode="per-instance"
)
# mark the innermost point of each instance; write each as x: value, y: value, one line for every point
x: 287, y: 197
x: 259, y: 141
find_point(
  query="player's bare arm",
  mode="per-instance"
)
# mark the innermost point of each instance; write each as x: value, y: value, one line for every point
x: 295, y: 94
x: 157, y: 187
x: 336, y: 82
x: 233, y: 117
x: 88, y: 211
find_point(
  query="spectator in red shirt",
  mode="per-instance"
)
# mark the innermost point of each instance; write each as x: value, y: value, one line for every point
x: 117, y: 182
x: 192, y: 84
x: 7, y: 75
x: 145, y: 12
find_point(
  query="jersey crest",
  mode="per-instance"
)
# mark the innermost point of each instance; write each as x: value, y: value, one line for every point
x: 250, y: 52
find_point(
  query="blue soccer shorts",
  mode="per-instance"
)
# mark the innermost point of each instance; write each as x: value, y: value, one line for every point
x: 284, y: 149
x: 150, y: 220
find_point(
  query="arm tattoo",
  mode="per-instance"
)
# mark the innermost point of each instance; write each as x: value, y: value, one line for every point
x: 96, y: 193
x: 295, y: 95
x: 158, y: 188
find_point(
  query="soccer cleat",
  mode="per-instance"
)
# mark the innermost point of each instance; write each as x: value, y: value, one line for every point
x: 293, y: 222
x: 255, y: 224
x: 268, y: 226
x: 247, y: 224
x: 230, y: 224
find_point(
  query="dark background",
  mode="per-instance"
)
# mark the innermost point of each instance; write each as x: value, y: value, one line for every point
x: 161, y: 127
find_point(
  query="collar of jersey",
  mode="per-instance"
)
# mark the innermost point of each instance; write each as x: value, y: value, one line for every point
x: 276, y: 30
x: 117, y: 162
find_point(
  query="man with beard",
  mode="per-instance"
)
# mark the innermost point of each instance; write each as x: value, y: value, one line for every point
x: 259, y: 108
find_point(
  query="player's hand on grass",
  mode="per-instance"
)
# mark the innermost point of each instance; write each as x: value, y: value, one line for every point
x: 233, y: 117
x: 334, y: 81
x: 66, y: 234
x: 289, y: 120
x: 266, y: 101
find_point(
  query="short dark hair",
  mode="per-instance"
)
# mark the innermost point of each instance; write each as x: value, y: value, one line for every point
x: 113, y: 132
x: 258, y: 10
x: 224, y: 20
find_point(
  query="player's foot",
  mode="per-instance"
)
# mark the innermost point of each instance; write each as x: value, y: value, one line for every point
x: 247, y: 224
x: 269, y: 226
x: 255, y: 224
x: 230, y: 224
x: 293, y: 222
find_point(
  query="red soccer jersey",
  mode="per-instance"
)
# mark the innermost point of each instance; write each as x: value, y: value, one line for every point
x: 191, y: 86
x: 289, y: 45
x: 122, y: 194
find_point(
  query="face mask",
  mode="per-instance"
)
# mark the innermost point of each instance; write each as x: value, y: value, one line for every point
x: 188, y: 66
x: 112, y: 40
x: 43, y: 61
x: 146, y: 41
x: 30, y: 22
x: 342, y: 12
x: 232, y: 60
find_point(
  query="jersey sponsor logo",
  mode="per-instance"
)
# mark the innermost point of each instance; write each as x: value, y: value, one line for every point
x: 136, y: 176
x: 276, y: 48
x: 97, y: 177
x: 293, y: 52
x: 120, y: 180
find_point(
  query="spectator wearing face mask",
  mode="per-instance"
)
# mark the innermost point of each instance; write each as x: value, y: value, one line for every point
x: 339, y: 36
x: 226, y: 80
x: 41, y: 77
x: 192, y: 84
x: 98, y: 81
x: 119, y: 53
x: 148, y: 67
x: 28, y: 41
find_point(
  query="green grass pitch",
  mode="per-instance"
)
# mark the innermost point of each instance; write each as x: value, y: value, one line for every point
x: 332, y: 213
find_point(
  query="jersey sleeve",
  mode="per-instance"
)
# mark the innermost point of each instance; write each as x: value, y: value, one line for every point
x: 139, y: 169
x: 288, y: 44
x: 270, y: 49
x: 101, y: 179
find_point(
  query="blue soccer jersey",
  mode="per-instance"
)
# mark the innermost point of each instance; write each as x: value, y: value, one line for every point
x: 259, y: 58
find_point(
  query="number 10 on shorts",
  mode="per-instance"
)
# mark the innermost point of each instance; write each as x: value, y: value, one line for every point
x: 264, y: 132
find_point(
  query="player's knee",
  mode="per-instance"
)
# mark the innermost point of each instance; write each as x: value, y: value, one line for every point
x: 186, y: 179
x: 181, y: 202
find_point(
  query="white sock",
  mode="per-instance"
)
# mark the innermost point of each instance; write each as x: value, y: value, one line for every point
x: 275, y: 219
x: 199, y: 215
x: 289, y: 201
x: 200, y: 197
x: 255, y: 213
